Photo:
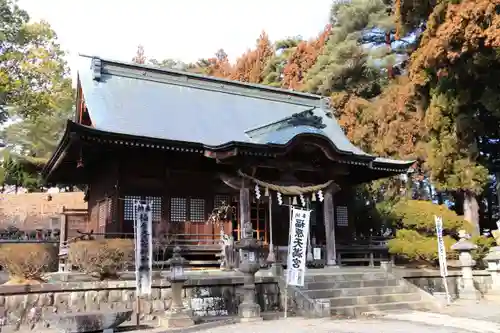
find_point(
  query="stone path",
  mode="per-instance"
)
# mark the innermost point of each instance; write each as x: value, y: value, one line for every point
x: 461, y: 317
x: 366, y: 325
x: 488, y: 310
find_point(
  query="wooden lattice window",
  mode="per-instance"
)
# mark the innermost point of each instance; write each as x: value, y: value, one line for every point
x: 178, y: 209
x: 128, y: 207
x: 156, y: 207
x: 104, y: 214
x: 196, y: 210
x: 220, y: 200
x: 342, y: 216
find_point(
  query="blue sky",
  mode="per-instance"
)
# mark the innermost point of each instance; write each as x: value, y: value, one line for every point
x: 186, y: 30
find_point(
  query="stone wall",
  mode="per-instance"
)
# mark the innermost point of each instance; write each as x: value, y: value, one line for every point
x: 30, y: 211
x: 24, y: 307
x: 432, y: 282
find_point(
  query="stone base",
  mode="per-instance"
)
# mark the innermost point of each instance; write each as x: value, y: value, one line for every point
x: 276, y: 269
x: 251, y: 320
x: 249, y: 312
x: 87, y: 322
x: 177, y: 319
x: 469, y: 295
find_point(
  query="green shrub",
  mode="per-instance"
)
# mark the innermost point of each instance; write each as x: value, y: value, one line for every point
x: 414, y: 246
x: 419, y: 215
x: 26, y: 263
x: 483, y: 247
x: 103, y: 259
x: 415, y: 238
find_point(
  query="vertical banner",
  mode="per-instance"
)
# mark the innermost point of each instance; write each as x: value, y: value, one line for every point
x: 297, y: 247
x: 443, y: 267
x: 143, y: 233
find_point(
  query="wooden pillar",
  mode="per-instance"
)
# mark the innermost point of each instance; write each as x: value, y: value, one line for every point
x: 329, y: 216
x: 244, y: 209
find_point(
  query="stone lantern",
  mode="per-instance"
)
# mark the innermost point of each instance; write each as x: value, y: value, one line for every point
x: 493, y: 260
x: 177, y: 315
x: 249, y: 264
x: 464, y: 247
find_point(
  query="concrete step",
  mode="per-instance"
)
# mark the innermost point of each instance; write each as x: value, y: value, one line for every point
x: 352, y: 284
x: 373, y: 299
x: 357, y: 310
x: 364, y: 291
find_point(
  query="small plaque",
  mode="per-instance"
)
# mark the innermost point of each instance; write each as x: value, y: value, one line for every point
x: 317, y: 253
x: 251, y: 256
x: 63, y: 250
x: 178, y: 271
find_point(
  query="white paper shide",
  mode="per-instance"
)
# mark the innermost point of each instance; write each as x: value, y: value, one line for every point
x: 143, y: 223
x: 297, y: 247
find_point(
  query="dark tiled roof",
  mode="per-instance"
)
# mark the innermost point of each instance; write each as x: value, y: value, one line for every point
x: 167, y: 104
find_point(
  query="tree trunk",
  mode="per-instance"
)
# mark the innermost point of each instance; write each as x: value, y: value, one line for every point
x: 471, y: 211
x: 439, y: 196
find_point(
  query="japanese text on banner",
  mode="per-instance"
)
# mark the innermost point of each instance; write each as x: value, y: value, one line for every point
x: 443, y: 266
x: 143, y: 247
x: 297, y: 247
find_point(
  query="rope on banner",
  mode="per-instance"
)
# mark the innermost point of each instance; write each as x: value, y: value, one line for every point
x: 287, y: 190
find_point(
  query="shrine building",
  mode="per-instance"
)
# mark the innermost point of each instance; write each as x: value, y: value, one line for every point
x: 190, y: 143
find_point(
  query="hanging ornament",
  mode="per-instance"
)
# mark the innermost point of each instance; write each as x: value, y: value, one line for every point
x: 294, y: 202
x: 302, y: 200
x: 313, y: 197
x: 280, y: 198
x: 266, y: 192
x: 320, y: 195
x: 257, y: 192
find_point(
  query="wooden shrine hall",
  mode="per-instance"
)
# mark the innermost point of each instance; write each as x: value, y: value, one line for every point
x: 190, y: 144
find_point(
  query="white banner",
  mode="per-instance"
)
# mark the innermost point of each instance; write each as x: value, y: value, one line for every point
x: 297, y: 246
x: 443, y: 266
x: 143, y: 234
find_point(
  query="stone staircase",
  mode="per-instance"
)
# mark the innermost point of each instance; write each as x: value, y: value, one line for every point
x: 354, y: 293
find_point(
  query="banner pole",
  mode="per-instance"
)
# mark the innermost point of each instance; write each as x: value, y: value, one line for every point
x: 443, y: 265
x: 288, y: 253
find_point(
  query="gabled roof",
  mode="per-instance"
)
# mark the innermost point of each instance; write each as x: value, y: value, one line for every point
x: 174, y: 105
x: 157, y: 103
x: 167, y: 104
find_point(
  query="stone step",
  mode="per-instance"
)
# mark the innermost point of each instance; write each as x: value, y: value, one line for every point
x: 351, y: 284
x: 373, y: 299
x: 345, y: 277
x: 357, y: 310
x: 364, y: 291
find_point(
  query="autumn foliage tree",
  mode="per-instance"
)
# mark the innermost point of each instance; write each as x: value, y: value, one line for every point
x: 217, y: 66
x: 302, y: 59
x: 250, y: 66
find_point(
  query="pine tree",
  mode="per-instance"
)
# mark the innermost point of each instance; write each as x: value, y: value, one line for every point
x: 274, y: 72
x: 345, y: 64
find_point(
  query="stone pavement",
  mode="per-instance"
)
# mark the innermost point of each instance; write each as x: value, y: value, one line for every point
x: 362, y: 325
x: 488, y: 310
x: 460, y: 317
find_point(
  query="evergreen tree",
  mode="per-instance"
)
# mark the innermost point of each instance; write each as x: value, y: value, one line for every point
x: 31, y: 64
x: 274, y: 72
x: 455, y: 71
